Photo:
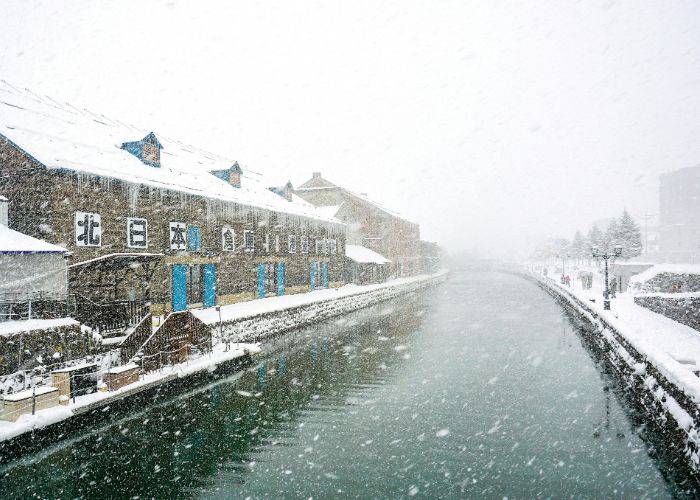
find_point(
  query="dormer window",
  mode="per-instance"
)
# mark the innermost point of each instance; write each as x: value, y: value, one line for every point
x: 285, y: 191
x: 232, y: 175
x: 147, y: 149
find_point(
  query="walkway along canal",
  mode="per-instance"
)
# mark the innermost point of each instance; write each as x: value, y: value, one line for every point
x: 481, y: 386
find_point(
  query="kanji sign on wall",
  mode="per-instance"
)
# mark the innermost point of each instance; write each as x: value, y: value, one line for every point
x: 227, y: 239
x: 88, y: 229
x: 136, y: 233
x: 178, y: 236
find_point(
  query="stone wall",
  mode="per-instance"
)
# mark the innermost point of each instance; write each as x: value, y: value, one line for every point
x: 684, y: 310
x: 672, y: 410
x: 22, y: 351
x: 43, y: 204
x: 259, y: 327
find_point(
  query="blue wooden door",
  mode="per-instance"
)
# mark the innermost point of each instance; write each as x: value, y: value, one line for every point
x: 325, y: 274
x: 312, y: 276
x: 209, y: 298
x: 179, y: 287
x: 280, y: 278
x: 261, y: 281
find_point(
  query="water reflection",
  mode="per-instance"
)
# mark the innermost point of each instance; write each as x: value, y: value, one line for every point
x: 480, y: 387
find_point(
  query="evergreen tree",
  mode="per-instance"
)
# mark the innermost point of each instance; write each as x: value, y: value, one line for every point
x: 629, y: 236
x: 612, y: 236
x: 596, y: 238
x: 579, y: 247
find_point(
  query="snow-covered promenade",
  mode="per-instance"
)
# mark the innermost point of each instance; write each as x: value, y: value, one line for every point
x: 262, y: 317
x: 656, y: 355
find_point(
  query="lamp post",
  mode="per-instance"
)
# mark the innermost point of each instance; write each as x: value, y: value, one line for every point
x: 563, y: 258
x: 598, y: 254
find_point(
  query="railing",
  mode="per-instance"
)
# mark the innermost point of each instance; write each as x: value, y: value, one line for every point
x: 136, y: 338
x: 111, y: 316
x: 172, y: 341
x: 38, y: 306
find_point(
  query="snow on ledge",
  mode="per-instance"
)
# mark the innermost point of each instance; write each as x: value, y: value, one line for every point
x: 255, y: 307
x: 665, y: 268
x: 9, y: 328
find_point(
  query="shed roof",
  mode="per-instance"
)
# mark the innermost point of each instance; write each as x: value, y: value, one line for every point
x: 363, y: 255
x: 12, y: 241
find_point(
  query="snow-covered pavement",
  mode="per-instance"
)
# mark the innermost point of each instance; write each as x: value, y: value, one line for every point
x: 252, y: 308
x: 673, y: 348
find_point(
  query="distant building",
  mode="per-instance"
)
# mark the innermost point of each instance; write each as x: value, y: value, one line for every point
x: 369, y: 224
x: 679, y: 224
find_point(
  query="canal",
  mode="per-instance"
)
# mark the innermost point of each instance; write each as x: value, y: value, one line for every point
x: 479, y: 387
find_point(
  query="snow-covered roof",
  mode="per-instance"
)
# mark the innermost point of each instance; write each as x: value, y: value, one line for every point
x: 665, y: 268
x: 319, y: 183
x: 12, y: 241
x: 62, y: 136
x: 329, y: 211
x: 363, y: 255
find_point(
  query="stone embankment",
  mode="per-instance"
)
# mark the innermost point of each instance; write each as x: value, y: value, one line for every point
x: 667, y: 394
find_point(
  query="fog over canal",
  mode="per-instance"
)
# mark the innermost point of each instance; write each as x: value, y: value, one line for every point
x: 479, y: 387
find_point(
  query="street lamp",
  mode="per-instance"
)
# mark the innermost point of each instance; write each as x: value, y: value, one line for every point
x: 598, y: 254
x: 563, y: 258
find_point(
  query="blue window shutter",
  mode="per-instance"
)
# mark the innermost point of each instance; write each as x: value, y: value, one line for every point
x: 194, y: 239
x: 209, y: 285
x: 280, y: 278
x: 179, y: 292
x: 325, y: 275
x: 261, y: 281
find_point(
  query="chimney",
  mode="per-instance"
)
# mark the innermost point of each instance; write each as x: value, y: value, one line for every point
x: 4, y: 210
x: 316, y: 175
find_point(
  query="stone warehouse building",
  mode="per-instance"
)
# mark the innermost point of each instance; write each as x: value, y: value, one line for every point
x: 369, y: 224
x: 153, y: 221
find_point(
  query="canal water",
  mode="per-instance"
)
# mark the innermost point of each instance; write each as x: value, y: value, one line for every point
x: 479, y: 387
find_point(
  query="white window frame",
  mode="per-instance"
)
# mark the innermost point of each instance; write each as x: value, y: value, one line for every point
x: 304, y: 244
x: 250, y: 248
x: 277, y: 243
x: 292, y: 243
x: 332, y: 246
x: 267, y: 243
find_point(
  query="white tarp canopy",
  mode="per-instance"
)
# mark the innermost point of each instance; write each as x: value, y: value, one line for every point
x: 31, y: 268
x: 363, y: 255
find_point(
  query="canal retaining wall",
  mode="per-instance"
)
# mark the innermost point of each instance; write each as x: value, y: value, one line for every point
x: 669, y: 405
x: 255, y: 326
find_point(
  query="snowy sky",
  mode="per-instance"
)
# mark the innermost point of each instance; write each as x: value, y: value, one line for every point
x: 490, y: 123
